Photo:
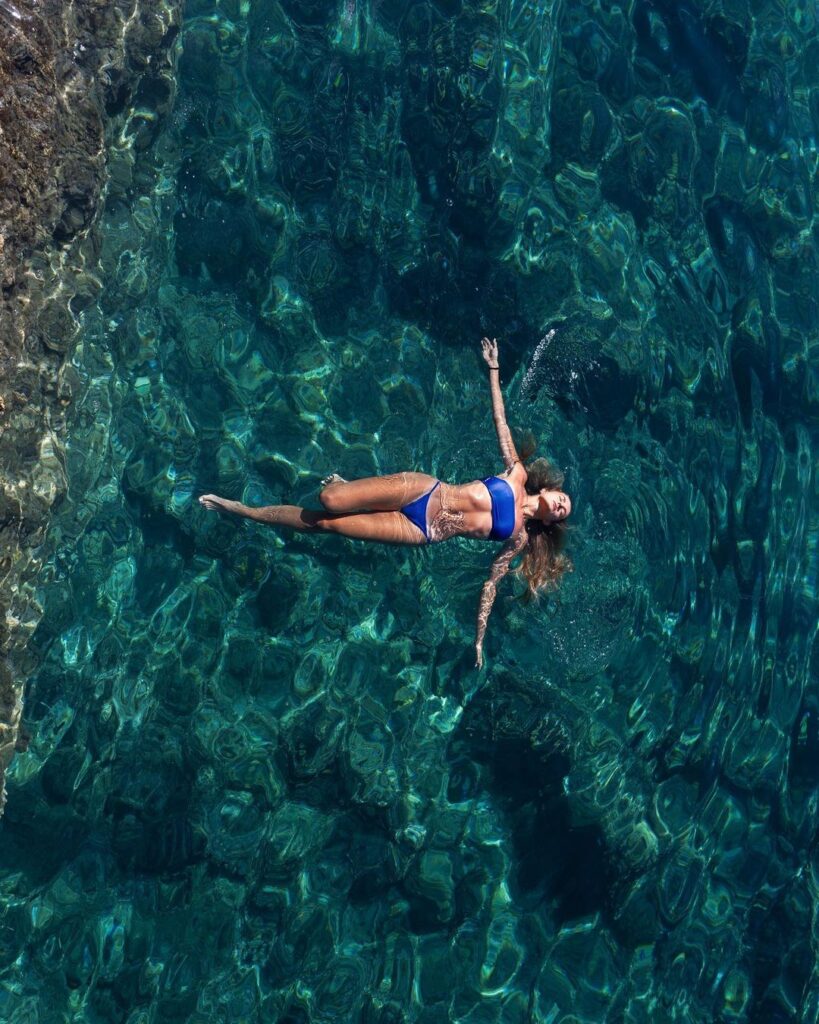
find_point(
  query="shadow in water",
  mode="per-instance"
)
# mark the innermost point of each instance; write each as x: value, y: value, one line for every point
x: 523, y: 764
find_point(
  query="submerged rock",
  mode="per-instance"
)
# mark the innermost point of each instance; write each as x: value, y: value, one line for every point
x: 67, y: 73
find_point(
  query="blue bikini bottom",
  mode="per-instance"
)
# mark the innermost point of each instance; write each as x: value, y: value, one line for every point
x: 416, y: 511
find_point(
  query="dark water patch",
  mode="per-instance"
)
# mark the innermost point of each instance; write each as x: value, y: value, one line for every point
x: 677, y: 38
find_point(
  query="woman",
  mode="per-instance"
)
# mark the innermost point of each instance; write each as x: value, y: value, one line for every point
x: 525, y: 506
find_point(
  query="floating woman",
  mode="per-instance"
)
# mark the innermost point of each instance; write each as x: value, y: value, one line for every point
x: 526, y: 507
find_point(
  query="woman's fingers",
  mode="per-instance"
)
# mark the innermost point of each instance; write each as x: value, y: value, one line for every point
x: 489, y: 348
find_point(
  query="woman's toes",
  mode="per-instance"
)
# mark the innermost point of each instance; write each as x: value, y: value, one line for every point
x: 333, y: 478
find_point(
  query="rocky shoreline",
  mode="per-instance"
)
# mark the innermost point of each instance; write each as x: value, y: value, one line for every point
x: 70, y: 76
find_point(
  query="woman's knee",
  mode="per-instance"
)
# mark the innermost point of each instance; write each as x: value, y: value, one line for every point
x: 331, y: 498
x: 327, y: 523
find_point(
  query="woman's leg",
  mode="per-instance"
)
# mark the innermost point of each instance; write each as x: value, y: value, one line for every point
x: 376, y: 493
x: 294, y: 516
x: 380, y: 527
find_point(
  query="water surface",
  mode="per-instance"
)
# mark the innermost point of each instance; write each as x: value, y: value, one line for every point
x: 265, y: 781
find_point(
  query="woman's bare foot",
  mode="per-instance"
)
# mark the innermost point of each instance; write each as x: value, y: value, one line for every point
x: 215, y: 503
x: 333, y: 478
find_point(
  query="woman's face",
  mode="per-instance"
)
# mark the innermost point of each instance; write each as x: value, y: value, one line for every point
x: 553, y: 506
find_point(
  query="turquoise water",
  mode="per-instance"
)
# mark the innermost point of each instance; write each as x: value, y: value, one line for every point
x: 265, y: 782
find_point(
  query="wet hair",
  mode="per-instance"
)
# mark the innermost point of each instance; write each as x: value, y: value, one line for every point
x: 543, y: 563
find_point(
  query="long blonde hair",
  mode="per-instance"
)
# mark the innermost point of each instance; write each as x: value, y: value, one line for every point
x: 543, y: 563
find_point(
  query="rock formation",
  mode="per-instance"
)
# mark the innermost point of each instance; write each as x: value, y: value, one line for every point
x: 66, y: 72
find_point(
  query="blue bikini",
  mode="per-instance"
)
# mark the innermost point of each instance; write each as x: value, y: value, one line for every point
x: 416, y: 511
x: 503, y: 508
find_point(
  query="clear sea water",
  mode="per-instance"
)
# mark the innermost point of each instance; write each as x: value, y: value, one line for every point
x: 265, y: 782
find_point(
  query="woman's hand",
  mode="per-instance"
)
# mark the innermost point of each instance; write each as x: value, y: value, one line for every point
x: 490, y: 352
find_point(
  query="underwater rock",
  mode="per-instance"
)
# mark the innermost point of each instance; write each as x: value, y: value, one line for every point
x: 312, y: 736
x: 370, y: 778
x: 164, y: 846
x: 766, y: 117
x: 578, y: 975
x: 430, y: 880
x: 64, y: 73
x: 583, y: 125
x: 294, y: 835
x: 236, y: 830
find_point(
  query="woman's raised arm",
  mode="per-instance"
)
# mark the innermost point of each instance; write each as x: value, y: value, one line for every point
x: 500, y: 567
x: 507, y: 445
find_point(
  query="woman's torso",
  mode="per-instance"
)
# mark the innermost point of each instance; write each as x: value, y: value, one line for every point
x: 465, y: 510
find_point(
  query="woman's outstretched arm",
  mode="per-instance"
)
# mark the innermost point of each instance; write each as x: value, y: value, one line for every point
x: 500, y: 567
x: 507, y: 445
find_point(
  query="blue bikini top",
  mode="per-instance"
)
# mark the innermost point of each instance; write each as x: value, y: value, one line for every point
x: 503, y: 508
